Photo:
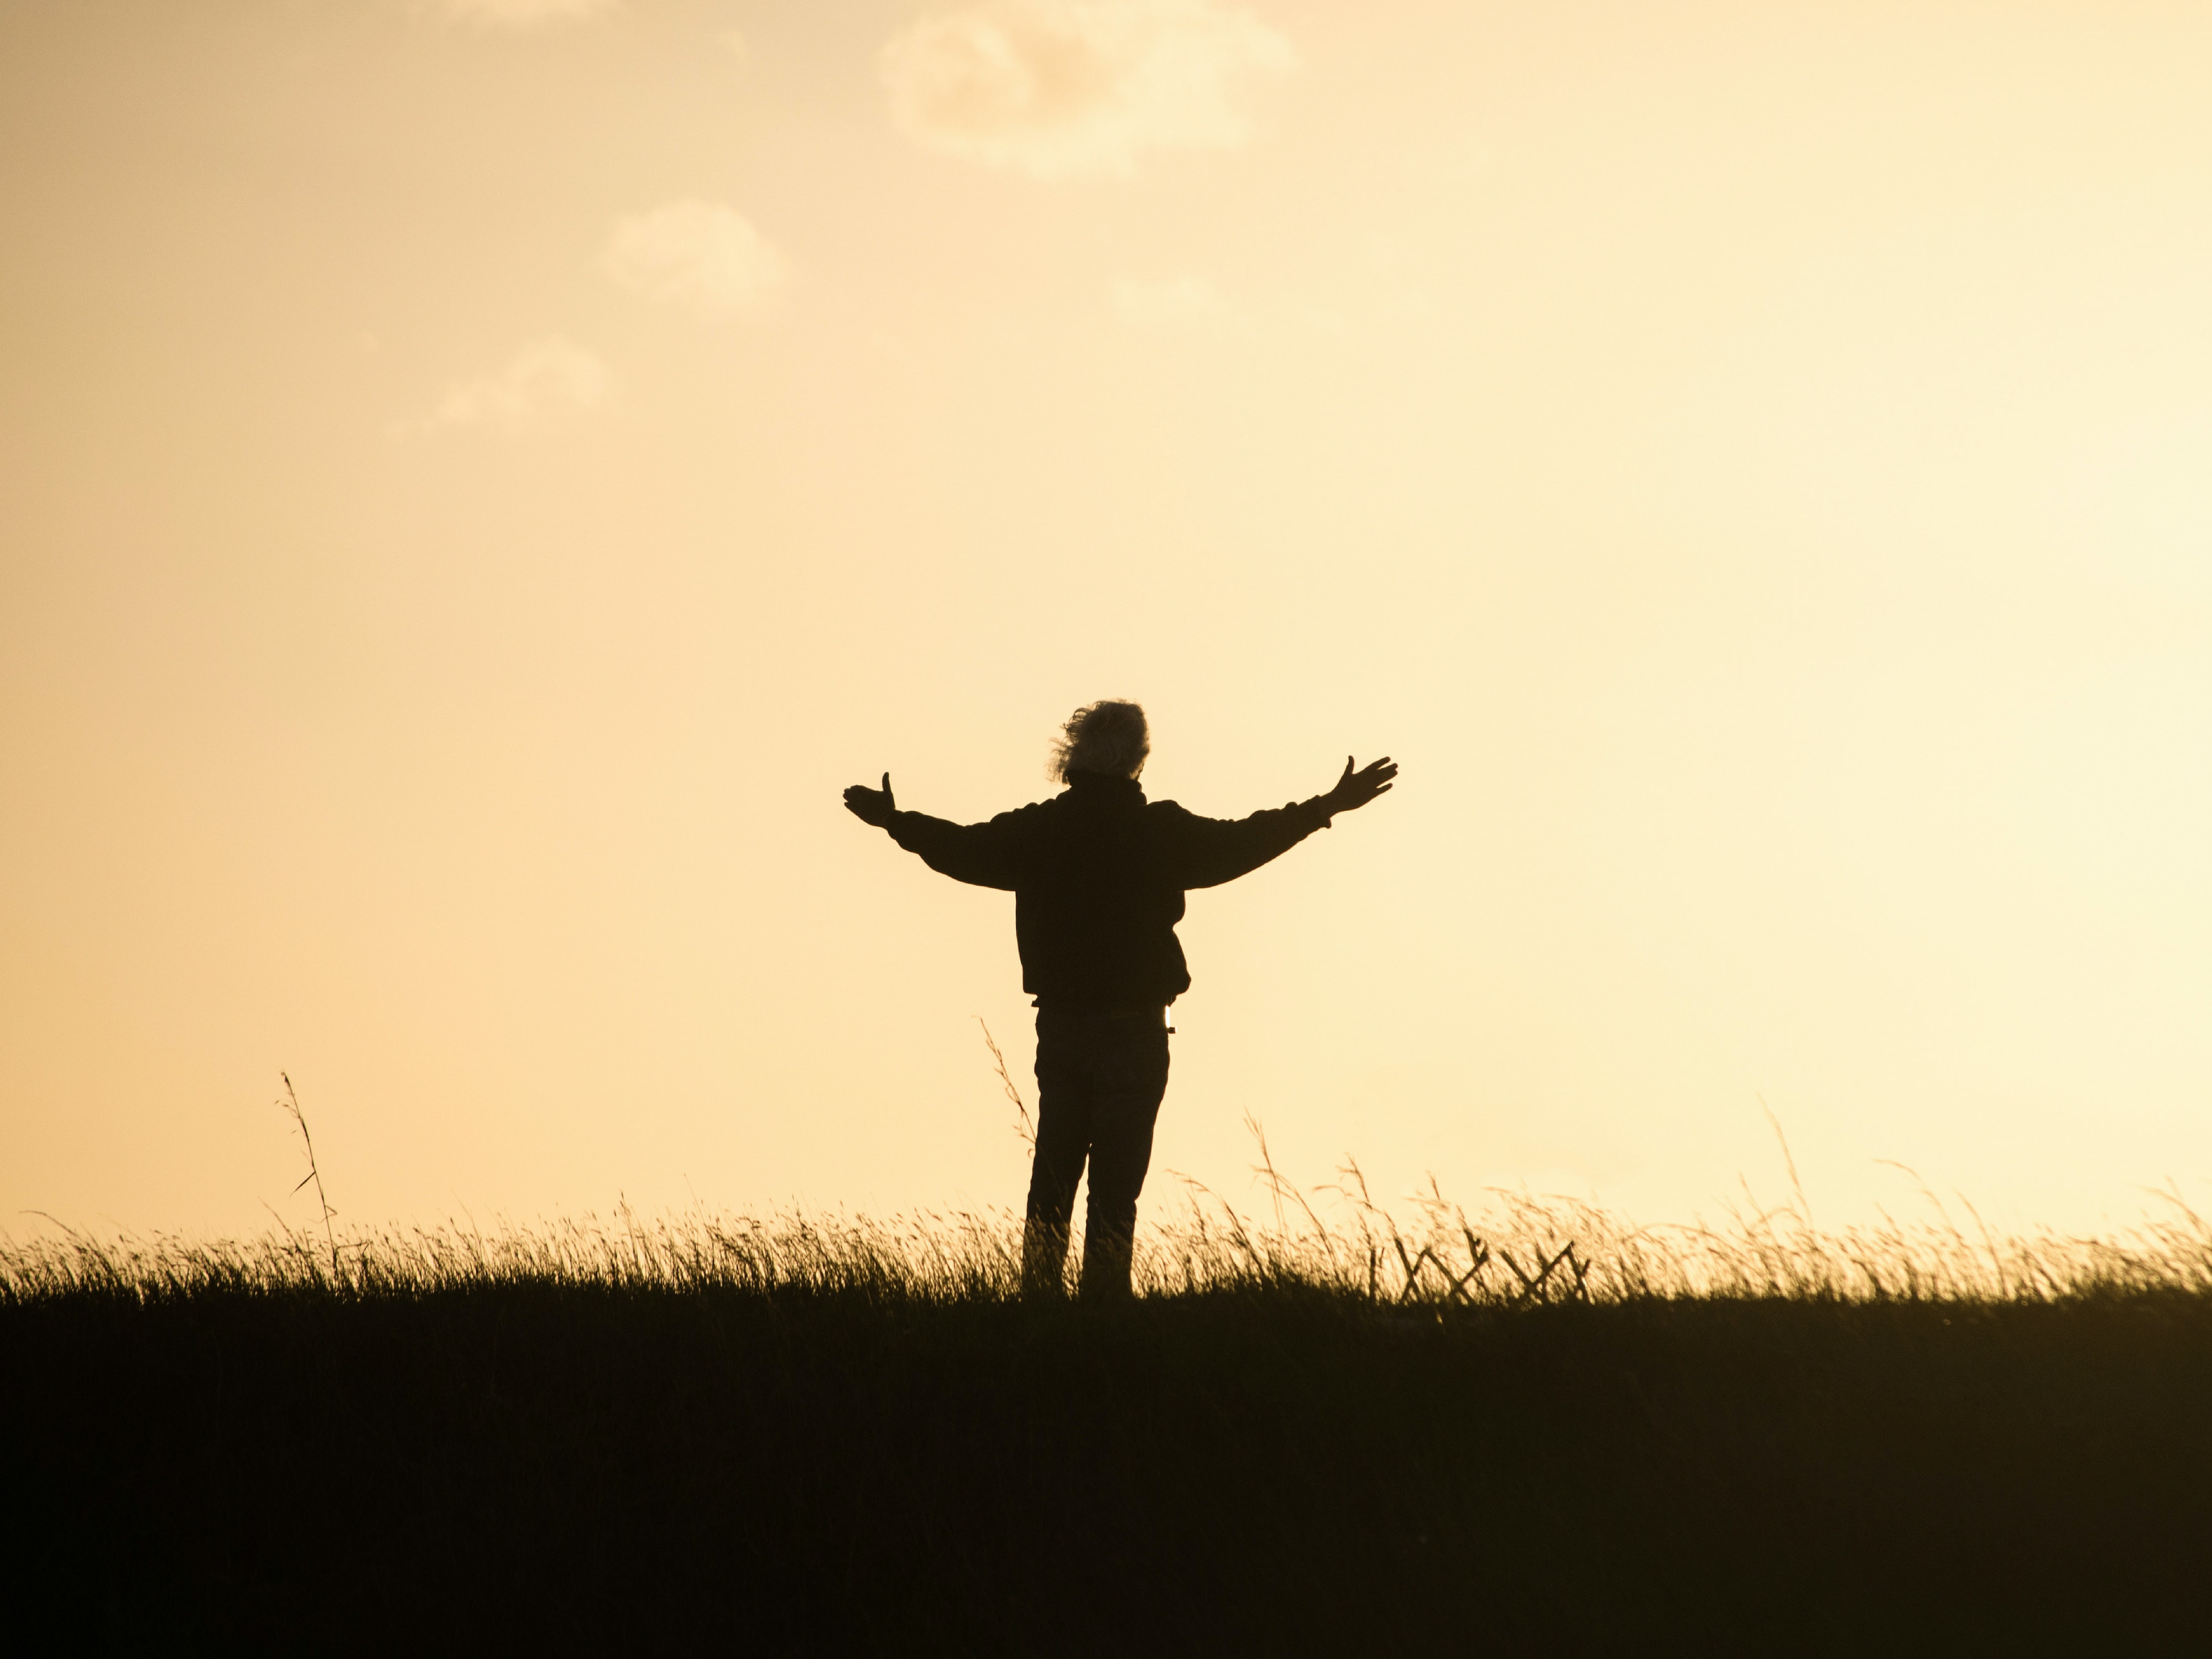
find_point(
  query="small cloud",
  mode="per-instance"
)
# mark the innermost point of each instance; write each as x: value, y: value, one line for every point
x: 1315, y: 318
x: 1064, y: 88
x: 547, y: 381
x: 734, y: 42
x: 521, y: 14
x: 1195, y: 303
x: 698, y: 254
x: 1178, y: 302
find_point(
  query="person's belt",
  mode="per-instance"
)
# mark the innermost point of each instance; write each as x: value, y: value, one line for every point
x: 1161, y: 1016
x: 1156, y: 1012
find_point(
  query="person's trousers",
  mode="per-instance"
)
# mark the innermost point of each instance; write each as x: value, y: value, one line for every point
x: 1101, y: 1075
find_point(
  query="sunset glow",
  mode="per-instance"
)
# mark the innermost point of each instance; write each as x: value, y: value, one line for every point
x: 480, y: 478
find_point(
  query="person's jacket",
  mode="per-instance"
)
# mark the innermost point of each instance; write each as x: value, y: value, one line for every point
x: 1098, y: 875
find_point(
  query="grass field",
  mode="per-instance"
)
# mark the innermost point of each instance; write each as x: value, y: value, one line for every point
x: 805, y: 1435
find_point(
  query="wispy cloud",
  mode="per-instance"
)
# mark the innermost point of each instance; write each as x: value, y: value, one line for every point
x: 699, y: 255
x: 1195, y: 305
x: 1177, y: 302
x: 520, y: 14
x: 1064, y: 88
x: 549, y: 380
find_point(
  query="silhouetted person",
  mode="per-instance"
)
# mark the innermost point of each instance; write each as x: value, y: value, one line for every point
x: 1098, y: 875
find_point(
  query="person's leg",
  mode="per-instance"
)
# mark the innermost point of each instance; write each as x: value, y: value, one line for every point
x: 1063, y: 1141
x: 1130, y: 1079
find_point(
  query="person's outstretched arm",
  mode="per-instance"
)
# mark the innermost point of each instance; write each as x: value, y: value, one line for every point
x: 981, y: 854
x: 1210, y: 851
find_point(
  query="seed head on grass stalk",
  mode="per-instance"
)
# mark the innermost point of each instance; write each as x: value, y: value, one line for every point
x: 1024, y: 1128
x: 291, y: 1103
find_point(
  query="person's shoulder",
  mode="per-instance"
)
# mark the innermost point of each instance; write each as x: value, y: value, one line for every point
x: 1028, y: 814
x: 1169, y: 809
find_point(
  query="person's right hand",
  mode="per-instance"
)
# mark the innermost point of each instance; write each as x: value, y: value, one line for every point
x: 1355, y: 789
x: 873, y: 806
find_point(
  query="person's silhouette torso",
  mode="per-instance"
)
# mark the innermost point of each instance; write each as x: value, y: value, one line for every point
x: 1098, y: 875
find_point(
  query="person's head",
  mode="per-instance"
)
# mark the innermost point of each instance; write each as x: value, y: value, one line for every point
x: 1109, y: 737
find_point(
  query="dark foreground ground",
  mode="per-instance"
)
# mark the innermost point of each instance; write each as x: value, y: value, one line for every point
x: 556, y: 1468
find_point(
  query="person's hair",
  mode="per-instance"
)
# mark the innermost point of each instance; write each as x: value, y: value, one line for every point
x: 1108, y: 736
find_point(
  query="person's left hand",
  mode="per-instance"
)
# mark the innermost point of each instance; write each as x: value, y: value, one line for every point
x: 873, y: 806
x: 1355, y: 789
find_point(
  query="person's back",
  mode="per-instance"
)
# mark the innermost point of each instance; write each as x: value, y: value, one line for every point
x: 1097, y: 901
x: 1098, y: 875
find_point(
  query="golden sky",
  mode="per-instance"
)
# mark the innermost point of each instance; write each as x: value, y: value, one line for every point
x: 478, y: 478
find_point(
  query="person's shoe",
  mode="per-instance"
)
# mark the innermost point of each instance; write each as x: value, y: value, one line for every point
x: 1105, y: 1269
x: 1044, y: 1262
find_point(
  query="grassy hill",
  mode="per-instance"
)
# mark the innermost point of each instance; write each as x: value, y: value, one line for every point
x: 795, y: 1436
